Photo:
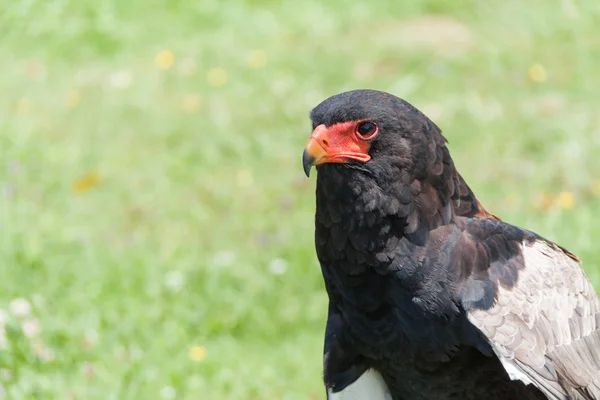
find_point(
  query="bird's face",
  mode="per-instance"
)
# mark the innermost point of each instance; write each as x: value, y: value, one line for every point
x: 342, y: 142
x: 367, y: 130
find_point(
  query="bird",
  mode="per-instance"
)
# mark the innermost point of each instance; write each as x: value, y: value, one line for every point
x: 430, y: 295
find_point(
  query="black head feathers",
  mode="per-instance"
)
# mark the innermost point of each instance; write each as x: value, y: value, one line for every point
x: 403, y: 171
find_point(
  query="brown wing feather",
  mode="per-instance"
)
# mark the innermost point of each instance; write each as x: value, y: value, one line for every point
x: 546, y: 329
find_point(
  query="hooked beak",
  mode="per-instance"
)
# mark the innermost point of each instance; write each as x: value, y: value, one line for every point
x: 333, y: 145
x: 313, y: 154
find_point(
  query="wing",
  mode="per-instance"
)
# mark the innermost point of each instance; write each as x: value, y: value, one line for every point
x: 537, y: 308
x: 465, y: 203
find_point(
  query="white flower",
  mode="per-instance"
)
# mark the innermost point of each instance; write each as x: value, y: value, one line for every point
x: 20, y: 307
x: 278, y: 266
x: 31, y: 328
x: 223, y: 259
x: 3, y: 317
x: 3, y: 338
x: 5, y: 374
x: 174, y: 281
x: 90, y: 338
x: 43, y: 352
x: 168, y: 393
x: 120, y: 79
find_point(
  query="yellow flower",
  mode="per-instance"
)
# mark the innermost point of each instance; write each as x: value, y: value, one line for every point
x: 544, y: 202
x: 164, y: 59
x: 538, y: 73
x: 565, y: 200
x: 23, y: 106
x: 596, y: 187
x: 73, y: 98
x: 244, y: 178
x: 197, y: 353
x: 36, y: 69
x: 216, y: 77
x: 190, y: 103
x: 86, y: 182
x: 512, y: 200
x: 257, y: 59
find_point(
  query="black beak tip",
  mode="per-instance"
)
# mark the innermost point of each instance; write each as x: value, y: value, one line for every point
x: 307, y: 162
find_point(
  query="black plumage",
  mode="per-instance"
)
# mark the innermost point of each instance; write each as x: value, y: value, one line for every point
x: 429, y: 289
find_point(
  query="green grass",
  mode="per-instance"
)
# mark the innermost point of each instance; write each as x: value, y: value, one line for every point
x: 200, y: 192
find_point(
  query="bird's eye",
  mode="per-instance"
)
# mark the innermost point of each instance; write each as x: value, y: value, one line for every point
x: 366, y: 129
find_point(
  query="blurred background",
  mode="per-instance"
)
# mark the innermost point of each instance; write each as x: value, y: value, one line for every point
x: 156, y: 226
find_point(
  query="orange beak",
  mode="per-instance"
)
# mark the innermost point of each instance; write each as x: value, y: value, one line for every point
x: 336, y: 144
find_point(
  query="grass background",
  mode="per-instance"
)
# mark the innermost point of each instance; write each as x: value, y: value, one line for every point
x: 154, y: 212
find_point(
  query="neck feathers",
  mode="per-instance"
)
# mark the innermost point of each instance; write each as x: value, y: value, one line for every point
x: 363, y: 214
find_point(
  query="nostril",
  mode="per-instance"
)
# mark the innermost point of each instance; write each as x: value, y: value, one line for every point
x: 325, y: 142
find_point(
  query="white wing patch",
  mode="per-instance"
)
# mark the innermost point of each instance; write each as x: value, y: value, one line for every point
x: 514, y: 372
x: 549, y: 319
x: 369, y: 386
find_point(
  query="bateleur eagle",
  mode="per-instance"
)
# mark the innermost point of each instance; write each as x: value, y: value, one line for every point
x: 431, y: 296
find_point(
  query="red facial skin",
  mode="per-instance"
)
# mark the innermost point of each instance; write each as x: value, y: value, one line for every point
x: 339, y: 143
